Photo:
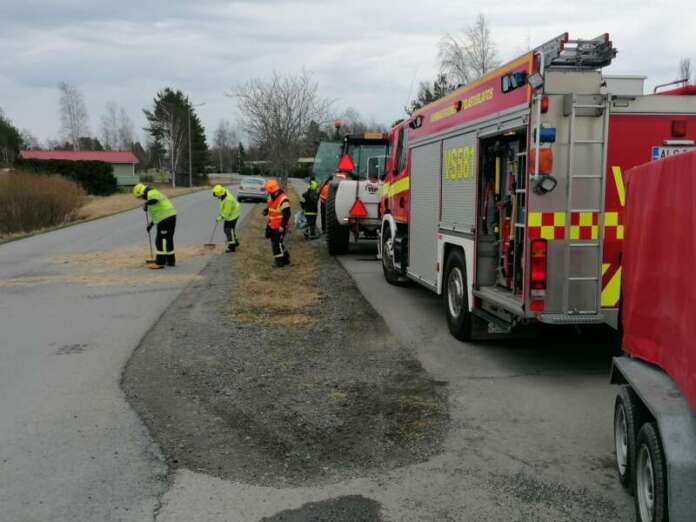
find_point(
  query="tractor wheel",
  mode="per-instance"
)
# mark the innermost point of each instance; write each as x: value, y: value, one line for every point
x: 337, y: 234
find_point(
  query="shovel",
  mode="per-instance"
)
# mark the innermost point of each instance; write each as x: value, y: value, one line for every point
x: 151, y: 260
x: 210, y: 245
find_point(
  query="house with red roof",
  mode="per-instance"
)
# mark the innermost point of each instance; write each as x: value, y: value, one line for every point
x: 123, y: 162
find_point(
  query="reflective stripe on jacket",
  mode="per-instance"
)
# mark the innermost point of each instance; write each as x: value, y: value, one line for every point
x: 161, y: 209
x: 230, y: 208
x: 275, y: 210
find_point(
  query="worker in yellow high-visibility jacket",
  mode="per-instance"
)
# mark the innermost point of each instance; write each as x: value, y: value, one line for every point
x: 162, y: 213
x: 230, y: 209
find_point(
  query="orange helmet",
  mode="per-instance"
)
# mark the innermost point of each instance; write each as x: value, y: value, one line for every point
x: 271, y: 186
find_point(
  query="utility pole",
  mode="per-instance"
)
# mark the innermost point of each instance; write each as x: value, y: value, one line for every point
x: 190, y: 110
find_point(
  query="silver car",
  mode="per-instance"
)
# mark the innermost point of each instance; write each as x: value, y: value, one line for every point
x: 251, y: 189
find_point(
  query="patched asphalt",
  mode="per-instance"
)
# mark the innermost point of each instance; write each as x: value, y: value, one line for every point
x: 283, y: 408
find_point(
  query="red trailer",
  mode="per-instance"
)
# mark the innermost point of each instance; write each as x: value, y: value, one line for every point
x: 655, y: 409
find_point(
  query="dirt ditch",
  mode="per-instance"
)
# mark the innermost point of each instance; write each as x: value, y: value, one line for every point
x: 283, y: 406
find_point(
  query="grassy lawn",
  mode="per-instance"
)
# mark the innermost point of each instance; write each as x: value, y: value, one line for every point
x: 270, y: 296
x: 101, y: 206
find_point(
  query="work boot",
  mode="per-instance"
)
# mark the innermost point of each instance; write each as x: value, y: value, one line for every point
x: 231, y: 248
x: 155, y: 267
x: 171, y: 260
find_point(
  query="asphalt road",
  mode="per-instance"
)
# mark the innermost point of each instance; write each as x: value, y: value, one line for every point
x: 529, y: 439
x: 71, y: 448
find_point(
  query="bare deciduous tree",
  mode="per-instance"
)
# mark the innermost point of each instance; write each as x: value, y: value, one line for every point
x: 276, y: 115
x: 467, y: 58
x: 73, y: 114
x: 685, y: 69
x: 126, y: 131
x: 29, y: 141
x: 109, y: 127
x: 224, y: 142
x: 117, y: 130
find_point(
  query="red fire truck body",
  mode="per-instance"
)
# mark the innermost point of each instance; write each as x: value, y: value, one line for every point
x: 507, y: 195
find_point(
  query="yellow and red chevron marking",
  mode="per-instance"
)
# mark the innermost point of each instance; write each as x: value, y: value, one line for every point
x: 546, y: 225
x: 584, y: 225
x: 611, y: 285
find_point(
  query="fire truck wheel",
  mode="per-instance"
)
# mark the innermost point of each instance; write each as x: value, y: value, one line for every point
x: 651, y: 476
x: 337, y: 235
x: 455, y: 296
x: 390, y: 273
x: 628, y: 417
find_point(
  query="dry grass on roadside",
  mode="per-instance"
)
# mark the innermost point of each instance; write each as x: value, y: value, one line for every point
x: 273, y: 296
x: 30, y: 202
x: 101, y: 206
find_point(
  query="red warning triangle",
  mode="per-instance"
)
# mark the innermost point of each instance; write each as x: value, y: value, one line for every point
x: 346, y: 164
x: 358, y: 209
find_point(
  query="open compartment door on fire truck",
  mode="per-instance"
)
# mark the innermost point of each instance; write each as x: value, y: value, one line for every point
x: 501, y: 204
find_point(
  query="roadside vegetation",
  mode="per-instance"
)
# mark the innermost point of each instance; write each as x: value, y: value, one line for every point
x: 279, y: 297
x: 98, y: 206
x: 30, y: 202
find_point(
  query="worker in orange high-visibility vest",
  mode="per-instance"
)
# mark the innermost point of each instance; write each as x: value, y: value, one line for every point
x: 278, y: 218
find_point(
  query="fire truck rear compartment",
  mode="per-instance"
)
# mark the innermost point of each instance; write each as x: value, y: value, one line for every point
x: 500, y: 223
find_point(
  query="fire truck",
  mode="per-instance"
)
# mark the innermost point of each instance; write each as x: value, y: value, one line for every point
x: 506, y: 196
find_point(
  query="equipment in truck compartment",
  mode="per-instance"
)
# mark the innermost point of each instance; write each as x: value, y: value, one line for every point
x: 659, y: 263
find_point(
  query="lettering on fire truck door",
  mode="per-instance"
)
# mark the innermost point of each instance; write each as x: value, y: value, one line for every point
x: 459, y: 167
x: 425, y: 191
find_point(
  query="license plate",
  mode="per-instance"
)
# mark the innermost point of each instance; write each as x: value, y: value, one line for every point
x: 664, y: 152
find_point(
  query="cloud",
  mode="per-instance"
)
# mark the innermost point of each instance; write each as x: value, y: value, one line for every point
x: 365, y: 54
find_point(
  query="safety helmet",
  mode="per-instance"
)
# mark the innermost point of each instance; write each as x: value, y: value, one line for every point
x: 139, y: 190
x: 218, y: 190
x: 271, y: 186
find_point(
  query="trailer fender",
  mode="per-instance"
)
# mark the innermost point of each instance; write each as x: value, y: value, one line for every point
x: 676, y: 425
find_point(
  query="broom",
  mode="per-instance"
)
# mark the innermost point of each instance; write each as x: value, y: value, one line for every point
x: 210, y: 245
x: 151, y: 260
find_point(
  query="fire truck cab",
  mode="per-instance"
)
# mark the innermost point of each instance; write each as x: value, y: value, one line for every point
x: 506, y: 196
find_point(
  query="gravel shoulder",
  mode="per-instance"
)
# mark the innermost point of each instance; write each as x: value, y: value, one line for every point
x: 292, y: 407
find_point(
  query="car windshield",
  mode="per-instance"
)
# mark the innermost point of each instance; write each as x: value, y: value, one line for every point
x: 253, y: 181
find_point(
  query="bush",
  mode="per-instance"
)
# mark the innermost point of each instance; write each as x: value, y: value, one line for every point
x: 33, y: 201
x: 97, y: 177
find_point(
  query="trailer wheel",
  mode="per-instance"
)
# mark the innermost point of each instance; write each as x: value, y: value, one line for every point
x: 455, y: 297
x: 651, y: 476
x: 628, y: 417
x: 337, y: 234
x: 390, y: 274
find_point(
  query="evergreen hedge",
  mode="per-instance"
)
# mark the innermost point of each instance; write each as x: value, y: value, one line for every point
x: 97, y: 177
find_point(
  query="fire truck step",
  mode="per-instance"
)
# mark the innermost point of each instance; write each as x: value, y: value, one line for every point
x: 503, y: 325
x: 501, y: 298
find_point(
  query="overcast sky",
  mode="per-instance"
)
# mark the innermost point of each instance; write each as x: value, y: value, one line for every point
x: 367, y: 54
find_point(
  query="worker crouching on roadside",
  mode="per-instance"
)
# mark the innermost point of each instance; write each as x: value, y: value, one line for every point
x: 277, y: 217
x: 310, y: 205
x: 162, y: 213
x: 230, y: 210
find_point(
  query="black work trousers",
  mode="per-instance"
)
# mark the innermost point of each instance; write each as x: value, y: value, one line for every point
x: 311, y: 230
x: 281, y: 256
x: 230, y: 229
x: 164, y: 242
